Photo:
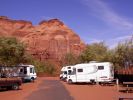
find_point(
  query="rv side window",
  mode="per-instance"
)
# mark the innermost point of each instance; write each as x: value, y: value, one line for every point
x: 31, y: 70
x: 25, y: 70
x: 21, y: 70
x: 69, y: 68
x: 100, y: 67
x: 80, y: 70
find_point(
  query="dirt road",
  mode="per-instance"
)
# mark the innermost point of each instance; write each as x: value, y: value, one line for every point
x: 50, y: 89
x: 53, y: 89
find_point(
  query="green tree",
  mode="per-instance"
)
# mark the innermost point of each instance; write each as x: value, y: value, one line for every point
x: 44, y: 67
x: 69, y: 59
x: 95, y: 52
x: 123, y: 55
x: 11, y: 51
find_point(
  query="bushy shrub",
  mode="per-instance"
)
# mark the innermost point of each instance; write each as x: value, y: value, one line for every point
x: 11, y: 51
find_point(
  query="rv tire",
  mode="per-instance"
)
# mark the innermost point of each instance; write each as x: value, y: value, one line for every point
x: 92, y: 81
x: 70, y: 81
x: 101, y: 83
x: 32, y: 79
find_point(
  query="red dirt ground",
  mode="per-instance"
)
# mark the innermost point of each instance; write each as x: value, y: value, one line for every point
x: 95, y: 92
x: 78, y: 92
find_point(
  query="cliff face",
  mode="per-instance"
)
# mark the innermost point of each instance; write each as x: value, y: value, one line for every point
x: 10, y: 27
x: 50, y: 39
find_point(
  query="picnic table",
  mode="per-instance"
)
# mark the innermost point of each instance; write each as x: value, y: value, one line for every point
x: 125, y: 98
x: 127, y: 86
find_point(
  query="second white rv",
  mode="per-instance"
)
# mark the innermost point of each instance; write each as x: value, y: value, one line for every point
x: 65, y: 71
x: 92, y: 72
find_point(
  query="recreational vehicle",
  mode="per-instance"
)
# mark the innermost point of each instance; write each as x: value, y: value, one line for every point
x: 92, y: 72
x: 65, y: 71
x: 27, y: 72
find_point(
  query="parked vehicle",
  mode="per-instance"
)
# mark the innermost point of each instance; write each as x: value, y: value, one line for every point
x: 65, y: 71
x: 27, y: 72
x: 12, y: 83
x: 92, y: 72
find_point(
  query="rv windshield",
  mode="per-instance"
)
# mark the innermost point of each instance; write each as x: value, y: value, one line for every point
x: 65, y: 72
x: 69, y: 72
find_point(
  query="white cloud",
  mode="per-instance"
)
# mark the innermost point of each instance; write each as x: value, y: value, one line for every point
x: 45, y: 17
x: 104, y: 12
x: 94, y: 41
x: 114, y: 42
x: 120, y: 25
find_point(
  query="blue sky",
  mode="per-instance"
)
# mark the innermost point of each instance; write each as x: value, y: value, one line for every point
x: 110, y: 21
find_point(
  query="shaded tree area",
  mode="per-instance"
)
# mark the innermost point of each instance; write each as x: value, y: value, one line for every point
x: 123, y: 54
x: 95, y: 52
x: 44, y: 67
x: 12, y: 51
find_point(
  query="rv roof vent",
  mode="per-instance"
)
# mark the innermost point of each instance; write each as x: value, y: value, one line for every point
x: 93, y: 62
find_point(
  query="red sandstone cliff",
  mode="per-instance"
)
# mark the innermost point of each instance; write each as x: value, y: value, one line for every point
x: 50, y: 39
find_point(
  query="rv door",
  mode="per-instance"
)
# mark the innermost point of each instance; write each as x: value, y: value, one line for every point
x: 80, y: 75
x: 25, y: 70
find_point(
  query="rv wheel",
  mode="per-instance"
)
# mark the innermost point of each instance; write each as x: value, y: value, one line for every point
x: 69, y: 81
x: 92, y: 81
x: 65, y: 79
x: 32, y: 79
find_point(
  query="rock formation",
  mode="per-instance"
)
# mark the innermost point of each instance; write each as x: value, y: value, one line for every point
x: 50, y: 39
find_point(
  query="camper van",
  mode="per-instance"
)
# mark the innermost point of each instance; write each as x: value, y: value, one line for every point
x: 65, y: 71
x: 27, y: 72
x: 92, y: 72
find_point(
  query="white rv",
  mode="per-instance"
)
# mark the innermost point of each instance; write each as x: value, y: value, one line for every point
x: 65, y: 71
x: 92, y: 72
x: 27, y: 72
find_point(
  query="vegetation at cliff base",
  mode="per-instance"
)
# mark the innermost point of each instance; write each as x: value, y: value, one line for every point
x: 13, y: 52
x: 121, y: 56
